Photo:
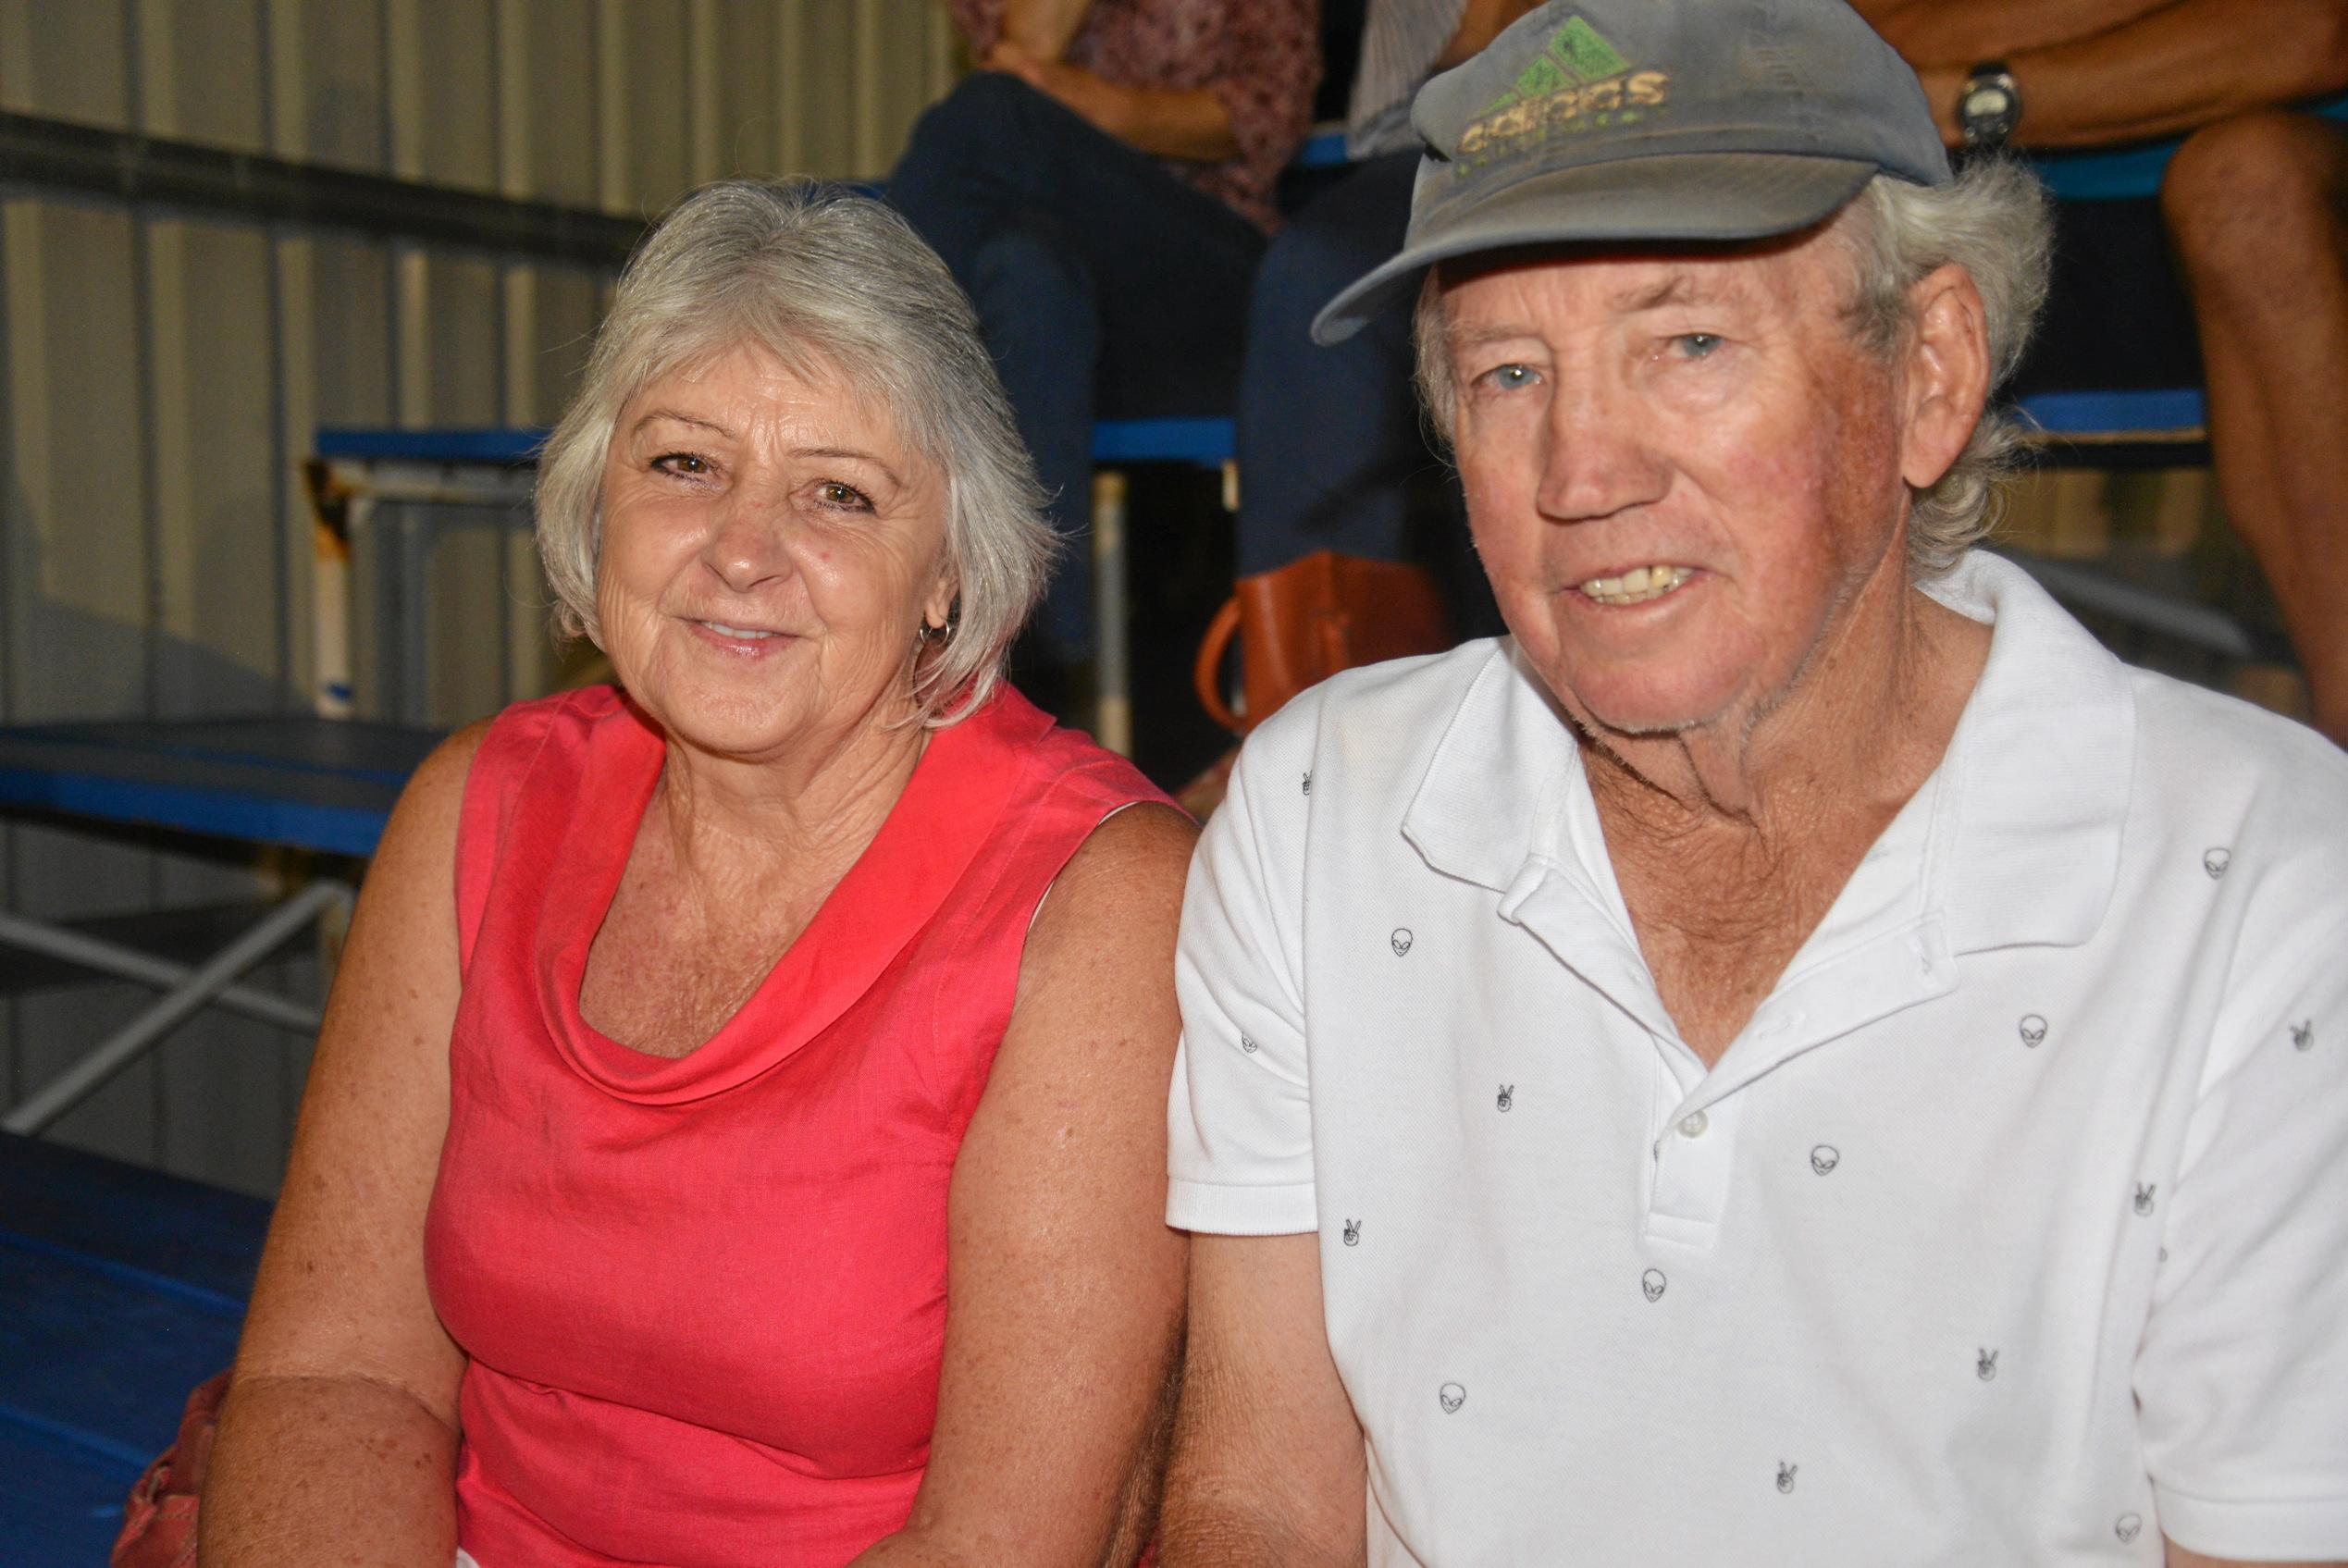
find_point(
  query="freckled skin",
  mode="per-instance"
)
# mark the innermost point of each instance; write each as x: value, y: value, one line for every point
x: 739, y: 492
x: 1734, y: 429
x: 1749, y: 731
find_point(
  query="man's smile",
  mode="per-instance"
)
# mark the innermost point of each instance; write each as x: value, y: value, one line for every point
x: 1637, y: 586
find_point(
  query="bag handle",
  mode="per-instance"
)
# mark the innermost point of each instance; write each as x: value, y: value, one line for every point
x: 1206, y: 675
x: 1337, y: 642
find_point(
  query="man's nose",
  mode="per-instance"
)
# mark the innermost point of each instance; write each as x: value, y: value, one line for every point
x: 1597, y: 459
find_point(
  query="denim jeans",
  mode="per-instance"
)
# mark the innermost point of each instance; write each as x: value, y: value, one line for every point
x: 1329, y: 437
x: 1108, y: 287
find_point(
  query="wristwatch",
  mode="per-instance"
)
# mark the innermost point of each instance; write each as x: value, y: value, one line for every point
x: 1989, y: 107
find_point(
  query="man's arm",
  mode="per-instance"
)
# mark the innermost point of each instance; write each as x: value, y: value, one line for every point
x: 1269, y: 1471
x: 1958, y: 32
x: 2176, y: 68
x: 2179, y: 1557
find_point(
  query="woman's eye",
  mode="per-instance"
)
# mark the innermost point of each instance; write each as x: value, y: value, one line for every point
x: 831, y: 492
x: 691, y: 465
x: 1696, y: 345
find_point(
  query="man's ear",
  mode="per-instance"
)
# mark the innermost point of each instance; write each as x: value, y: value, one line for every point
x: 1947, y: 373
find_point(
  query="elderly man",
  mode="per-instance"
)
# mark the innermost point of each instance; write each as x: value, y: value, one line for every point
x: 1796, y: 1056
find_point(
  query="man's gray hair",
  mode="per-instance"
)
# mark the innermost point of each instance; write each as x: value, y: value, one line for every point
x: 1993, y: 221
x: 838, y: 285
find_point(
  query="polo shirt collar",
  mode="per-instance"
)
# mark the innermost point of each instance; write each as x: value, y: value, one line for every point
x: 1495, y: 787
x: 2025, y: 837
x: 2040, y: 770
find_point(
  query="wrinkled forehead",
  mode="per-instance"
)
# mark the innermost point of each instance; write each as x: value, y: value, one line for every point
x: 741, y: 380
x: 737, y: 365
x: 1532, y: 290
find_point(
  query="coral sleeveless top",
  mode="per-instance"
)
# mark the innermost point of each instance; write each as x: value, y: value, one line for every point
x: 703, y: 1300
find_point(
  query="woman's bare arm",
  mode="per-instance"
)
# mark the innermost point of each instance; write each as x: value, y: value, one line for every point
x: 1064, y: 1302
x: 338, y: 1440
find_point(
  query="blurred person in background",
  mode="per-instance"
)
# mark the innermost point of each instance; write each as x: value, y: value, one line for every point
x: 1103, y: 186
x: 2254, y: 210
x: 737, y: 1135
x: 1330, y: 436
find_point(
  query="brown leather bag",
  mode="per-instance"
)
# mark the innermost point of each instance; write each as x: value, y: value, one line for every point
x: 159, y: 1520
x: 1303, y: 623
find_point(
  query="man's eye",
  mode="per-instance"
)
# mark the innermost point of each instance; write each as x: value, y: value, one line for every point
x: 1508, y: 377
x: 1696, y: 345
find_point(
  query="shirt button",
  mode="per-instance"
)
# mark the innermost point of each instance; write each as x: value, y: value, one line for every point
x: 1692, y: 1125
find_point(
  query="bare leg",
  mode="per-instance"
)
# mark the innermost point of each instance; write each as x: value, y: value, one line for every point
x: 2258, y: 209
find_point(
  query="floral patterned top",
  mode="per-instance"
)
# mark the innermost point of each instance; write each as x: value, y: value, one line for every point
x: 1261, y: 57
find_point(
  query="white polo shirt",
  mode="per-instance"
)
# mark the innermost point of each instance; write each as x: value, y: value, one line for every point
x: 2013, y: 1229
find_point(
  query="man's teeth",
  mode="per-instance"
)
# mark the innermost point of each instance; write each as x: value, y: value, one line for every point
x: 1638, y: 584
x: 725, y: 631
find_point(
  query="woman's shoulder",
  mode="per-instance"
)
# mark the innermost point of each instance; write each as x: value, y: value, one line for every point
x: 509, y: 745
x: 578, y: 709
x: 1061, y: 768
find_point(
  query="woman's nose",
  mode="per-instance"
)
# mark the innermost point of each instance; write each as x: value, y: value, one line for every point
x: 746, y: 547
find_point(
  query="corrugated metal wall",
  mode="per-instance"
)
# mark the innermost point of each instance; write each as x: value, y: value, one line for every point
x: 161, y: 377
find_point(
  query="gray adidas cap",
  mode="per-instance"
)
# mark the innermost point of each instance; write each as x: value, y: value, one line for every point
x: 1620, y: 121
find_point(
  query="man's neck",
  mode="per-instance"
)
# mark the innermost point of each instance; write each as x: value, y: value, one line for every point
x: 1730, y: 844
x: 1864, y: 723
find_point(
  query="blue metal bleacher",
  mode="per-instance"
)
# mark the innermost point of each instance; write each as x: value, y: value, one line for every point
x: 318, y: 784
x: 125, y: 1289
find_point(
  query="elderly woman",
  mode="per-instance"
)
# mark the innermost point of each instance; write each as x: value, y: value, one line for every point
x: 1796, y: 1055
x: 737, y: 1135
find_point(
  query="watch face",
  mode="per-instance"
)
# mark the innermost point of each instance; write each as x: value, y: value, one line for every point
x: 1989, y: 108
x: 1988, y: 101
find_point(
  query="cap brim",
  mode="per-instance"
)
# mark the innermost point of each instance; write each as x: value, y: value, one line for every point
x: 1667, y: 198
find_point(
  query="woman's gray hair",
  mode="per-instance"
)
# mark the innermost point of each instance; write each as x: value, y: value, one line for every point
x: 835, y: 285
x: 1993, y: 221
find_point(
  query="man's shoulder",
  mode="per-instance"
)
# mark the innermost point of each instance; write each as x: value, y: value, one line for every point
x: 2270, y: 794
x: 1392, y: 702
x: 1378, y: 725
x: 2194, y: 741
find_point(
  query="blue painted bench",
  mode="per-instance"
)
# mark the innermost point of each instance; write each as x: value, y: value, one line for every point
x: 125, y: 1289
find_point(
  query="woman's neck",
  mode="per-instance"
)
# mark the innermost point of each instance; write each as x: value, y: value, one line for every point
x: 813, y: 808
